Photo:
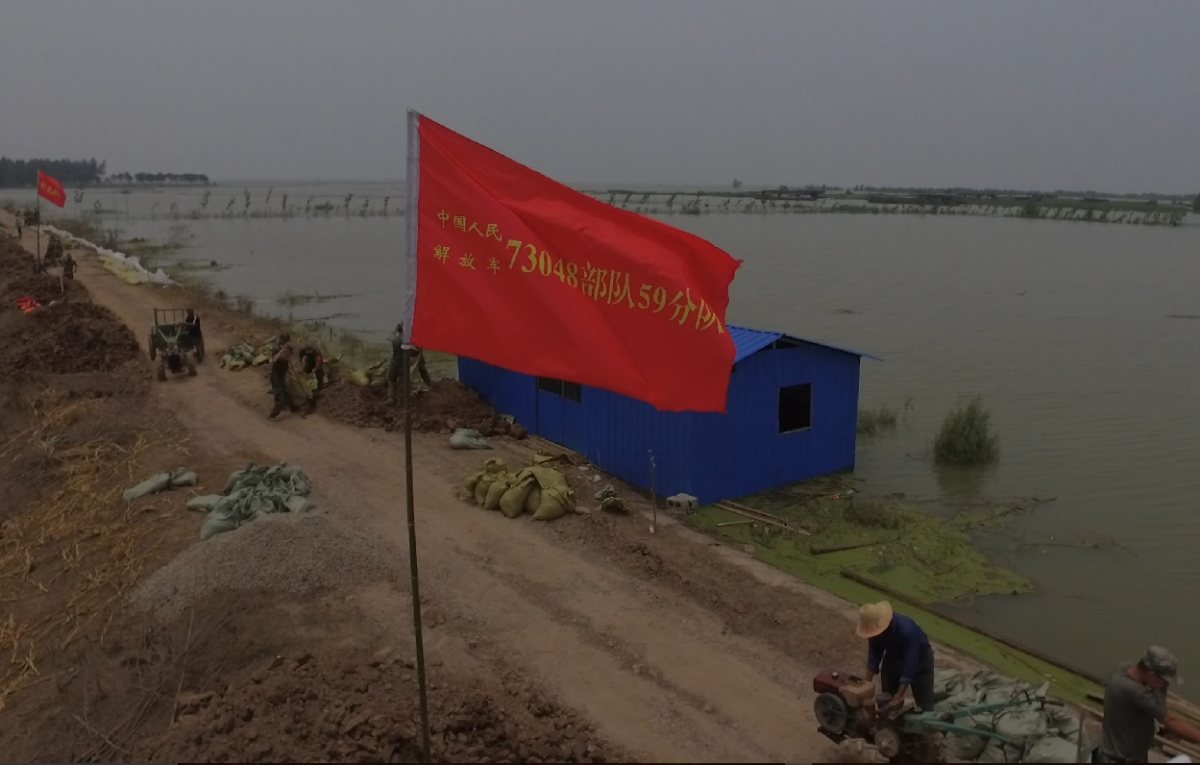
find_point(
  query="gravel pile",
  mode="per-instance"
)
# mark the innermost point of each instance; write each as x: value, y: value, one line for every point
x: 279, y: 552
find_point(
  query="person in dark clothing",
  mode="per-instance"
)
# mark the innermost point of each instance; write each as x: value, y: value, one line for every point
x: 403, y: 353
x: 313, y: 363
x: 1135, y: 704
x: 280, y: 363
x: 68, y: 266
x: 20, y: 216
x: 192, y: 323
x: 899, y: 652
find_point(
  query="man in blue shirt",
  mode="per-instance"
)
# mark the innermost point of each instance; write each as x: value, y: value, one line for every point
x: 899, y: 652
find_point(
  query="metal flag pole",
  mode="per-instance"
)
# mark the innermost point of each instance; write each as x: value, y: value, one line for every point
x: 37, y: 211
x: 406, y: 374
x: 653, y: 495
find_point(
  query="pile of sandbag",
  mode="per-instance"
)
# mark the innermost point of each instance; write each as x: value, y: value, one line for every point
x: 540, y: 491
x: 1045, y: 733
x: 258, y: 489
x: 245, y: 355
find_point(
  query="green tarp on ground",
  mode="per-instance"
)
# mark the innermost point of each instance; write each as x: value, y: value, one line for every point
x: 258, y: 489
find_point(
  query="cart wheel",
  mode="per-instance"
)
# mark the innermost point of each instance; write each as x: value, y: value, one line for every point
x: 191, y: 367
x: 162, y: 372
x: 888, y: 740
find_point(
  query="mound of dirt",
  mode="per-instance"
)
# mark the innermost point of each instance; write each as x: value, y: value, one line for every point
x: 17, y: 280
x: 309, y: 709
x: 277, y: 552
x: 449, y: 405
x: 65, y: 338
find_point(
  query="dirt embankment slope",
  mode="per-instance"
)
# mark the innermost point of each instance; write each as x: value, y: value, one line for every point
x: 123, y: 638
x: 588, y: 638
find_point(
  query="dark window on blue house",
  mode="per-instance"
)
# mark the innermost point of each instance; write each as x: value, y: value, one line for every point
x: 795, y: 407
x: 568, y: 390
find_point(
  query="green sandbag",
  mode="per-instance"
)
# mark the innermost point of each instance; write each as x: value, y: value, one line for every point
x: 495, y: 465
x: 565, y: 496
x: 152, y: 485
x: 481, y: 487
x: 512, y: 503
x: 182, y: 477
x: 299, y: 391
x: 203, y: 503
x: 547, y: 477
x: 466, y: 438
x: 298, y: 504
x: 534, y: 500
x: 495, y: 492
x: 555, y: 504
x: 161, y: 482
x: 550, y: 509
x: 469, y: 484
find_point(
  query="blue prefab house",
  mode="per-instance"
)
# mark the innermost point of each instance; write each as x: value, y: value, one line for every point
x: 791, y: 415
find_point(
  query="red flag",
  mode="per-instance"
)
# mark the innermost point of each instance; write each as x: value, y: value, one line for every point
x: 51, y: 190
x: 523, y: 272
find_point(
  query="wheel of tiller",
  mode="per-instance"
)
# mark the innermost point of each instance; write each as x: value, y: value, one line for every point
x: 889, y: 742
x: 831, y: 712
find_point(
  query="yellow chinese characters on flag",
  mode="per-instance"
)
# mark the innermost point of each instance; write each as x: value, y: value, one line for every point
x: 522, y: 272
x: 50, y: 189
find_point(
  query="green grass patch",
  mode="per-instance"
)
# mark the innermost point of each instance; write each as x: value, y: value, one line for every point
x: 926, y: 559
x: 966, y: 436
x: 929, y: 559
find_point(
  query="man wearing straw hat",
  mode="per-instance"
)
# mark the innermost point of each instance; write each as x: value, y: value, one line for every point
x: 899, y: 652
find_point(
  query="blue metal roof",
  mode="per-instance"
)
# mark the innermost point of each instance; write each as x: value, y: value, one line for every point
x: 747, y: 342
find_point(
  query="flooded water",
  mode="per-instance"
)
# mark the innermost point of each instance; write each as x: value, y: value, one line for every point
x: 1070, y: 331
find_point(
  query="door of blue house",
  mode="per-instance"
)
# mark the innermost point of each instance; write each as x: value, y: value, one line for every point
x: 559, y: 408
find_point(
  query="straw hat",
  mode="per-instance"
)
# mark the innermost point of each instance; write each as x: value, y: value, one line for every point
x: 873, y: 619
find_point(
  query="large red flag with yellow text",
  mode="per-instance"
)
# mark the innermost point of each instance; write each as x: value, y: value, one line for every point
x: 51, y: 190
x: 522, y: 272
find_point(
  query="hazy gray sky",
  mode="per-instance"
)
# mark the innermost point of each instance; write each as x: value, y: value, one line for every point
x: 1024, y: 94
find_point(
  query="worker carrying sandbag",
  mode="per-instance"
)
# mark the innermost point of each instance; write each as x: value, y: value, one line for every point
x: 281, y: 364
x: 1135, y: 704
x: 313, y: 363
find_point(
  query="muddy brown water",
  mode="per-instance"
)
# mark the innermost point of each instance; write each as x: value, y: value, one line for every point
x: 1077, y: 335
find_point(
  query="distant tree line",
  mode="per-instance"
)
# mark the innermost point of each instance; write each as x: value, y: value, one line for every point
x: 198, y: 178
x: 23, y: 172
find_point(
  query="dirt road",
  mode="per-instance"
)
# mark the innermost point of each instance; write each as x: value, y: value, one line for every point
x: 668, y: 668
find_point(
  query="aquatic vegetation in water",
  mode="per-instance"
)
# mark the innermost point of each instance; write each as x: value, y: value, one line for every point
x: 294, y: 299
x: 966, y: 437
x: 874, y: 421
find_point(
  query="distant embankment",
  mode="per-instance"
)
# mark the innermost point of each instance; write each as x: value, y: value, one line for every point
x: 812, y: 201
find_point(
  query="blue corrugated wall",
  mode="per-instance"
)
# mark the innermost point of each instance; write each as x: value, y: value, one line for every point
x: 742, y: 451
x: 711, y: 456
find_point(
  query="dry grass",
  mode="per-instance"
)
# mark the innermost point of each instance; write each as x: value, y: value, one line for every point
x: 81, y: 532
